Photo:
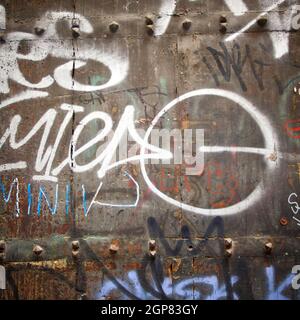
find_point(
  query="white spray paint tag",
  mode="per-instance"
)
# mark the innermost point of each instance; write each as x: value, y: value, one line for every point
x: 2, y: 18
x: 2, y: 278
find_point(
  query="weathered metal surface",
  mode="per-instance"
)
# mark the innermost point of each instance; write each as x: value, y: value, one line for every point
x: 70, y: 68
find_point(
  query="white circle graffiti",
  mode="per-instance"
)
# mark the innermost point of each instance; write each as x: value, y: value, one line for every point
x: 270, y: 140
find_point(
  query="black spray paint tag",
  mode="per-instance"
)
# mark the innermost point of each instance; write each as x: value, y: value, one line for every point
x: 2, y: 278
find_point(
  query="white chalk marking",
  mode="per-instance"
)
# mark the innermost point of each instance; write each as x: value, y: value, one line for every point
x: 270, y: 139
x: 2, y: 18
x: 237, y: 7
x: 25, y: 95
x: 251, y: 23
x: 133, y: 205
x: 13, y: 166
x: 165, y: 13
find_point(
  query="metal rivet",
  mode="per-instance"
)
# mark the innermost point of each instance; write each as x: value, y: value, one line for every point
x: 149, y: 20
x: 75, y: 245
x: 37, y: 250
x: 39, y: 31
x: 262, y: 21
x: 75, y: 254
x: 223, y: 27
x: 150, y: 30
x: 228, y: 243
x: 152, y: 248
x: 268, y: 247
x: 228, y: 253
x: 284, y: 221
x: 190, y: 248
x: 152, y: 244
x: 186, y: 24
x: 223, y: 19
x: 114, y: 26
x: 75, y: 249
x: 152, y: 254
x: 114, y: 248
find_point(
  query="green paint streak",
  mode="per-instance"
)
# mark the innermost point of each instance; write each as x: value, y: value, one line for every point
x: 97, y: 79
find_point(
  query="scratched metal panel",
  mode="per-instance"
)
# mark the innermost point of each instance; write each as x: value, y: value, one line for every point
x: 227, y: 229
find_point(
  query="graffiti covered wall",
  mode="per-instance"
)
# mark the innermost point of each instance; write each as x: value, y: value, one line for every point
x: 149, y: 149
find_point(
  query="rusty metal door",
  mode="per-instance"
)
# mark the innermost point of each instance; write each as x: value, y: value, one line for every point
x: 149, y: 149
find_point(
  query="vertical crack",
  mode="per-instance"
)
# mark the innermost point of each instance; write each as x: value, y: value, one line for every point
x: 80, y: 281
x: 72, y: 183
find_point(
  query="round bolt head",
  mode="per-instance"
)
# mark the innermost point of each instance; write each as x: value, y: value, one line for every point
x: 186, y: 24
x: 262, y: 21
x: 37, y: 250
x: 39, y: 31
x: 150, y: 30
x: 228, y: 253
x: 152, y: 245
x: 75, y: 254
x: 149, y: 20
x: 223, y: 28
x: 284, y: 221
x: 114, y: 248
x: 190, y: 248
x: 114, y: 26
x: 228, y: 243
x: 268, y: 247
x: 152, y: 253
x: 223, y: 19
x: 75, y: 245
